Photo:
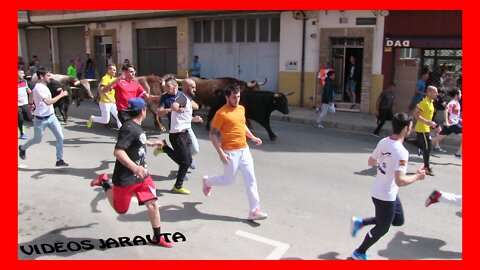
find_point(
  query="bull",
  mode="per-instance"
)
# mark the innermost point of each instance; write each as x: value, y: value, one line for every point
x: 77, y: 91
x: 206, y: 87
x: 153, y: 86
x: 259, y: 105
x: 80, y: 88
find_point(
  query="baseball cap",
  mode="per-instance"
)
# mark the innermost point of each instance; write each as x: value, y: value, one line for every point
x: 135, y: 104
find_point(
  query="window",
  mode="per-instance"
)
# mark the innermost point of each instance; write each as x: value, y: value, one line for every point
x: 408, y: 53
x: 218, y: 31
x: 243, y: 29
x: 263, y: 31
x: 251, y: 30
x: 228, y: 30
x: 240, y: 37
x: 207, y: 31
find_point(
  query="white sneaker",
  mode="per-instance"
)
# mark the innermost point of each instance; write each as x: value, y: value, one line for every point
x: 257, y: 215
x: 319, y: 126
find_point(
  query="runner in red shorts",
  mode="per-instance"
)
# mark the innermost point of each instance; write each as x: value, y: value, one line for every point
x: 130, y: 175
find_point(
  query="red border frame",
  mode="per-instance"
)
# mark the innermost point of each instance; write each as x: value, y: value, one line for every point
x: 9, y: 245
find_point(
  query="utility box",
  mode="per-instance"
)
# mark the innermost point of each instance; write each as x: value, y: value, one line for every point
x: 291, y: 65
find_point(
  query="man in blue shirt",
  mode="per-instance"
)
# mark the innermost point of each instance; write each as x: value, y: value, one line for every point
x: 195, y: 67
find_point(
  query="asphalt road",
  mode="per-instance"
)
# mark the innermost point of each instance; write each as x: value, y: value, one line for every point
x: 311, y: 181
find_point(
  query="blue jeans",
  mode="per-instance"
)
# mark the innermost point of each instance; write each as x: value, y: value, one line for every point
x: 195, y: 146
x: 39, y: 128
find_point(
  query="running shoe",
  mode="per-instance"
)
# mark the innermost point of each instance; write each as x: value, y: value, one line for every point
x: 355, y: 225
x: 359, y: 256
x: 433, y: 198
x: 206, y: 189
x: 181, y: 190
x: 257, y: 215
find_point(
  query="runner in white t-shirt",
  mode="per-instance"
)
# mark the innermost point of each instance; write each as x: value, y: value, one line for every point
x: 391, y: 157
x: 453, y: 120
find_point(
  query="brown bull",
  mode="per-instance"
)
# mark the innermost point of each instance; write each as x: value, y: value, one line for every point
x: 153, y: 85
x: 80, y: 88
x: 206, y: 88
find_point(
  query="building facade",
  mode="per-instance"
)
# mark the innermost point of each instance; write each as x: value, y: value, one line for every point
x: 285, y: 48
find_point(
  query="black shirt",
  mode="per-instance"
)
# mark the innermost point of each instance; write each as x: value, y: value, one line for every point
x: 132, y: 139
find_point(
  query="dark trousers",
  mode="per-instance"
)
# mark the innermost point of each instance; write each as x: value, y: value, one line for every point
x: 182, y: 145
x: 425, y: 143
x: 383, y: 115
x: 123, y: 116
x: 387, y: 213
x: 24, y: 114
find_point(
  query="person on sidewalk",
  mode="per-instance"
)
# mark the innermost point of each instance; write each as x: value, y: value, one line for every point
x: 327, y: 99
x: 229, y: 123
x: 391, y: 157
x: 424, y: 115
x: 446, y: 197
x: 353, y: 76
x: 25, y: 103
x: 130, y: 173
x: 44, y: 116
x: 107, y: 100
x: 453, y: 121
x: 384, y: 107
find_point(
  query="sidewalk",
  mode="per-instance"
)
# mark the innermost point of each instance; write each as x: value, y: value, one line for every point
x: 355, y: 121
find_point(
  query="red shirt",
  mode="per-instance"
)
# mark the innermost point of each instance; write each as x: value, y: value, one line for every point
x: 125, y: 90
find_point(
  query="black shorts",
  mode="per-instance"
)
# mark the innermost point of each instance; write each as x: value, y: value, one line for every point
x: 457, y: 129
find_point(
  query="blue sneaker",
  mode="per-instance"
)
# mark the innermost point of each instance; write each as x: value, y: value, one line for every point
x: 356, y: 225
x: 23, y: 136
x: 359, y: 256
x: 192, y: 166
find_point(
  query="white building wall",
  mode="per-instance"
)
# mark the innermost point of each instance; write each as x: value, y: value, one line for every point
x: 291, y: 35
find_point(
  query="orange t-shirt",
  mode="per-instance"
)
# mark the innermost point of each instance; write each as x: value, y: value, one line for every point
x: 230, y: 122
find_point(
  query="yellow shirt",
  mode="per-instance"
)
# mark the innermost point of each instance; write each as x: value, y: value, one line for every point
x: 426, y: 107
x: 106, y: 80
x: 230, y: 122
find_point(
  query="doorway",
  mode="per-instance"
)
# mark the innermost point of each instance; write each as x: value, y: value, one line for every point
x: 103, y: 50
x: 341, y: 51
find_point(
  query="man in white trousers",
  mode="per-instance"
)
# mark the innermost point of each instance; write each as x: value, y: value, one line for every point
x: 229, y: 122
x: 107, y: 100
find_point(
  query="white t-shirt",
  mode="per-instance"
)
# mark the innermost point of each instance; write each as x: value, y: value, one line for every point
x: 22, y: 93
x: 453, y: 110
x: 392, y: 156
x: 41, y: 91
x: 182, y: 121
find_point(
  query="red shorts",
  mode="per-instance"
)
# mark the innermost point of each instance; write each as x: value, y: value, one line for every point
x: 145, y: 191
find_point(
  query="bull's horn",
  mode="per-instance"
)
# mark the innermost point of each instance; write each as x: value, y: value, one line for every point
x: 289, y: 93
x: 74, y: 88
x: 179, y: 80
x: 252, y: 84
x: 77, y: 82
x: 263, y: 83
x: 91, y: 80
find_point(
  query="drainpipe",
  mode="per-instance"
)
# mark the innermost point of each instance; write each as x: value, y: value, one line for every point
x: 302, y: 71
x: 49, y: 36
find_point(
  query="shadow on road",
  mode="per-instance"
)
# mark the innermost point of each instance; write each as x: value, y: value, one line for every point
x: 175, y: 213
x: 411, y: 247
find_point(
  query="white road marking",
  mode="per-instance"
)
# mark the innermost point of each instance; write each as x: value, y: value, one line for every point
x: 280, y: 248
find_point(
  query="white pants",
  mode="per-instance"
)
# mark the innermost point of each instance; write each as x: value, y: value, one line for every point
x: 106, y: 109
x: 451, y: 198
x: 239, y: 159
